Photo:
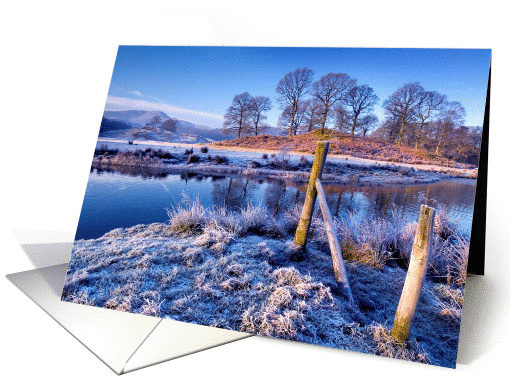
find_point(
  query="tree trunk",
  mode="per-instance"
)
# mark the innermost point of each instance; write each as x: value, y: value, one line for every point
x: 291, y: 122
x: 419, y: 134
x: 323, y: 123
x: 401, y: 134
x: 257, y: 125
x: 354, y: 123
x: 440, y: 140
x: 240, y: 126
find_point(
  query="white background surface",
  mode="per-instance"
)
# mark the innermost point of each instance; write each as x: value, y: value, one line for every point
x: 56, y: 62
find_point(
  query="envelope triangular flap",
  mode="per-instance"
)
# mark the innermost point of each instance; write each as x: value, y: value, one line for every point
x: 116, y: 337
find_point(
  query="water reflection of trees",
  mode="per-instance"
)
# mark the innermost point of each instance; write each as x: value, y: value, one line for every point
x: 369, y: 201
x: 457, y: 197
x: 143, y: 172
x: 233, y: 192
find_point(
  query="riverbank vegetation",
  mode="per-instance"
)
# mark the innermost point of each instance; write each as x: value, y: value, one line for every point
x: 239, y: 270
x: 281, y: 165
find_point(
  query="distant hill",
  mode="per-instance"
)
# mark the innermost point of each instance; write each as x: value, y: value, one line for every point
x: 111, y: 125
x: 214, y: 134
x: 137, y: 118
x: 151, y: 133
x: 140, y: 118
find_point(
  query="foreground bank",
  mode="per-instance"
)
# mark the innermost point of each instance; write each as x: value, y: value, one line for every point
x: 240, y: 271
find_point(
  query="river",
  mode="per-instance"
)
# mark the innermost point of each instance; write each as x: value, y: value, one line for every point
x: 120, y: 200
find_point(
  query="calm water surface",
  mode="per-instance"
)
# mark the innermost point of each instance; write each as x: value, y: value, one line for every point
x: 114, y: 199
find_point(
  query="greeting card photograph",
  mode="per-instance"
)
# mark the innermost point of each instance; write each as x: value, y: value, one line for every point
x: 320, y: 195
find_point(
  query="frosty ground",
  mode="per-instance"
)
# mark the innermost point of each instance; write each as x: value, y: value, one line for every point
x: 240, y: 271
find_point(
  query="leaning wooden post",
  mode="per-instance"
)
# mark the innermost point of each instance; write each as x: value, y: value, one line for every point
x: 311, y: 194
x: 415, y: 275
x: 334, y: 245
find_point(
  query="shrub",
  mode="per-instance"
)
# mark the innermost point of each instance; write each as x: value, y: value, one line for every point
x: 219, y: 159
x: 264, y: 156
x: 204, y: 149
x: 352, y: 177
x: 443, y: 226
x: 104, y: 150
x: 193, y: 158
x: 160, y: 154
x: 188, y: 219
x: 405, y: 171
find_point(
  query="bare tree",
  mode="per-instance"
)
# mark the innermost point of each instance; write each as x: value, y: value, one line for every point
x: 360, y: 100
x: 238, y: 114
x: 258, y: 106
x: 294, y: 122
x: 312, y: 109
x: 429, y: 103
x: 451, y: 115
x: 342, y: 119
x: 367, y: 122
x: 329, y: 89
x: 402, y: 105
x: 170, y: 124
x: 155, y: 120
x: 291, y: 89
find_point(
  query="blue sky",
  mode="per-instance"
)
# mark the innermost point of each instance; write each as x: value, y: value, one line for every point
x: 198, y: 84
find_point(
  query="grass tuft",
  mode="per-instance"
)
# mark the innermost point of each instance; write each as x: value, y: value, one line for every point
x: 387, y: 346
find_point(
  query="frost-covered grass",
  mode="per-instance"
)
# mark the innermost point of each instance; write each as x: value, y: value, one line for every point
x: 240, y: 270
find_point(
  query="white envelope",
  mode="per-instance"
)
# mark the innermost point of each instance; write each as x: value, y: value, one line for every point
x: 123, y: 341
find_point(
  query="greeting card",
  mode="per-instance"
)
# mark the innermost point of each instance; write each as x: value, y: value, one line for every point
x: 319, y: 195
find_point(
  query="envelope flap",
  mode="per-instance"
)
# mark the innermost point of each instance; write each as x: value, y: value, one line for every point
x: 110, y: 335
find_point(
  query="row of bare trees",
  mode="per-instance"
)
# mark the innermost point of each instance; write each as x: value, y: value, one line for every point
x: 334, y: 96
x: 415, y: 116
x: 420, y: 116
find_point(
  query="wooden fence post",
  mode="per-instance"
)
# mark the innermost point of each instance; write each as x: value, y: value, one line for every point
x: 311, y: 194
x: 415, y: 275
x: 334, y: 245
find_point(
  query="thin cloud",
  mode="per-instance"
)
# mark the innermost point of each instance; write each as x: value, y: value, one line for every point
x: 123, y: 103
x: 137, y: 93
